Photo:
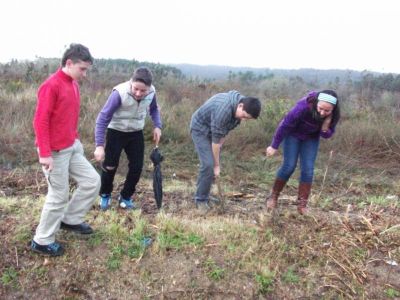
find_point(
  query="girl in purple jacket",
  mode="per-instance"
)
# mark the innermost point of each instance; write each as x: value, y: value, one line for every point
x: 314, y: 116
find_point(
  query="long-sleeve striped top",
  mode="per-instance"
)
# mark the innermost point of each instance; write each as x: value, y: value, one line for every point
x: 216, y: 117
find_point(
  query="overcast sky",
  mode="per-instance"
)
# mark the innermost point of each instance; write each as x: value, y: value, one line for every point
x: 340, y: 34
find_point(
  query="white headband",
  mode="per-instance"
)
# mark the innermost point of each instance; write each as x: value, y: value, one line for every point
x: 327, y: 98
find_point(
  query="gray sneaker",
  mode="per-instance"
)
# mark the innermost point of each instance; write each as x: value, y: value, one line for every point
x: 202, y: 206
x: 215, y: 201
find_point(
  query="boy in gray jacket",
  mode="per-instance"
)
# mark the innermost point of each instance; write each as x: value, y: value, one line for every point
x: 210, y: 123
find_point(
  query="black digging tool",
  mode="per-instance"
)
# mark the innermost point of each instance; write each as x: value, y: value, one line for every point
x: 156, y: 157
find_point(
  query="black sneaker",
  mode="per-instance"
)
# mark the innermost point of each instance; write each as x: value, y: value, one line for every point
x: 53, y: 249
x: 83, y: 228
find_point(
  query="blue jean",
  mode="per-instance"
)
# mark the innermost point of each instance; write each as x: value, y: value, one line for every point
x: 205, y: 179
x: 293, y: 149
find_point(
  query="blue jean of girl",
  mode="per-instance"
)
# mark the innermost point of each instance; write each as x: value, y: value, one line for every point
x: 293, y: 149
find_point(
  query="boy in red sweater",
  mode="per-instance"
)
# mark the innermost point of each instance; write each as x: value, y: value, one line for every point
x: 61, y: 153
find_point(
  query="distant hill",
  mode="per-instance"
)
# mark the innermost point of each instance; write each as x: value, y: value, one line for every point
x: 309, y: 75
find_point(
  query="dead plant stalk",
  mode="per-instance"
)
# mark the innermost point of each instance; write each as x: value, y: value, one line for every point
x: 325, y: 174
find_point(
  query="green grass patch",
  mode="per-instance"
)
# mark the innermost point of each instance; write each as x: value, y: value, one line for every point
x: 290, y: 276
x: 359, y: 254
x: 114, y: 261
x: 214, y: 272
x: 137, y: 239
x: 178, y: 239
x: 97, y: 238
x: 41, y: 272
x: 9, y: 206
x: 380, y: 200
x: 265, y: 281
x: 174, y: 235
x: 392, y: 293
x: 23, y: 234
x: 237, y: 238
x: 124, y: 241
x: 10, y: 277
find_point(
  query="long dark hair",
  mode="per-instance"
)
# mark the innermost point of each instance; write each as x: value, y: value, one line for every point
x: 312, y: 99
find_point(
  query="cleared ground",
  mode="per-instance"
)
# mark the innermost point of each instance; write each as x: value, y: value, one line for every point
x: 347, y: 247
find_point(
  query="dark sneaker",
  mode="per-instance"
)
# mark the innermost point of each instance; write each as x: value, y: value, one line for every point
x: 202, y: 206
x: 53, y: 249
x: 215, y: 201
x: 105, y: 201
x: 126, y: 203
x: 83, y: 228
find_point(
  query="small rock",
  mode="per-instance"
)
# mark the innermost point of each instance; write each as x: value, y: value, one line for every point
x: 391, y: 262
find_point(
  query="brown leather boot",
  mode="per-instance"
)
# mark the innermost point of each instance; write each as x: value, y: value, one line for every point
x: 272, y: 199
x: 304, y: 193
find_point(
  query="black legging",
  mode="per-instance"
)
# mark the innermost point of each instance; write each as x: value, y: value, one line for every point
x: 133, y: 145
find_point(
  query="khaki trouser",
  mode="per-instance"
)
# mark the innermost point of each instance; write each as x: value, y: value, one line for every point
x: 69, y: 162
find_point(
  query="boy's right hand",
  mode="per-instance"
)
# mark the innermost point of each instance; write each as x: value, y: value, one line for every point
x: 270, y: 151
x: 217, y: 171
x: 99, y: 153
x: 46, y: 162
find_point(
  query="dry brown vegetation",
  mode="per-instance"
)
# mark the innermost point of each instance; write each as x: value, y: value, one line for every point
x: 348, y: 247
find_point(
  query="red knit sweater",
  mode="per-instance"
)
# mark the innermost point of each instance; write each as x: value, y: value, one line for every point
x: 57, y: 112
